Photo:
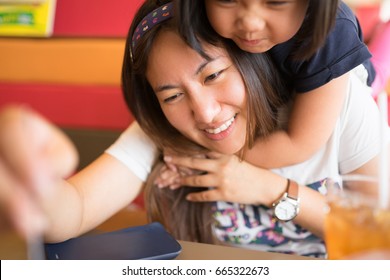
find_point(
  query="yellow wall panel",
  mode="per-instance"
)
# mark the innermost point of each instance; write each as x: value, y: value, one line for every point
x: 62, y: 60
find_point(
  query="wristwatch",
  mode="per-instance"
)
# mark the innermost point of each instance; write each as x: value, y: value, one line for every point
x: 287, y: 207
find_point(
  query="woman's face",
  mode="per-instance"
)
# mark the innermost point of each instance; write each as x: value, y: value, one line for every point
x: 203, y: 99
x: 256, y: 25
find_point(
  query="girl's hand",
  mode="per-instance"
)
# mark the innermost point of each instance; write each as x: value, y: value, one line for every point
x: 167, y: 177
x: 170, y: 173
x: 229, y: 179
x: 34, y: 155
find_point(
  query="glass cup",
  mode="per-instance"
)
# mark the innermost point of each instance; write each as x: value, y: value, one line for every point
x: 354, y: 222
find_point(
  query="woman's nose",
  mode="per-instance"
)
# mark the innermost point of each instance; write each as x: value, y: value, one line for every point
x: 205, y: 108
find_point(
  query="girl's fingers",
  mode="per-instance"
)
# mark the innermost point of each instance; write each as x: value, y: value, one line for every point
x: 169, y: 182
x: 192, y: 162
x: 209, y: 195
x: 205, y: 180
x: 214, y: 155
x: 166, y: 177
x: 171, y: 167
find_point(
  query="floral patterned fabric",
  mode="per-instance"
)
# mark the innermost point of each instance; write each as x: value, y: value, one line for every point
x: 255, y: 227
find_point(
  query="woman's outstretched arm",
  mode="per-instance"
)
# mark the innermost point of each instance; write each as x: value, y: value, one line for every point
x: 37, y: 193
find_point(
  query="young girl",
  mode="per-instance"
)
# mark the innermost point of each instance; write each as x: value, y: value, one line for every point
x: 315, y: 44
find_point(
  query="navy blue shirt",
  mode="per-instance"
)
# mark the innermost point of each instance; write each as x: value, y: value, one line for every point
x: 343, y: 50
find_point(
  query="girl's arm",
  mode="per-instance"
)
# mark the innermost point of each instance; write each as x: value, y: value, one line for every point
x: 312, y: 120
x: 238, y: 181
x: 34, y: 157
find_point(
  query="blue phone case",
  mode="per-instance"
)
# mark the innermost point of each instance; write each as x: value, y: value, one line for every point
x: 147, y: 242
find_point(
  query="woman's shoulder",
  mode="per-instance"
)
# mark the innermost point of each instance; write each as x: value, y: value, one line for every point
x: 135, y: 149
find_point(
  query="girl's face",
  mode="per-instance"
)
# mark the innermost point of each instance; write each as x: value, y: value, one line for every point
x: 256, y: 25
x: 203, y: 99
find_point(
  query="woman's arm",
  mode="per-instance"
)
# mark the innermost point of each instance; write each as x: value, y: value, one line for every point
x: 312, y: 120
x: 90, y: 197
x: 34, y: 158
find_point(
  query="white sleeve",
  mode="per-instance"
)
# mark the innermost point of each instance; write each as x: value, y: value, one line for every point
x: 360, y: 128
x: 135, y: 150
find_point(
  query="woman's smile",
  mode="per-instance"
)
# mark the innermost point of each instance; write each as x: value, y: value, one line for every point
x: 222, y: 131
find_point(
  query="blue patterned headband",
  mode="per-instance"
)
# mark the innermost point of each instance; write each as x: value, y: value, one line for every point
x: 158, y: 15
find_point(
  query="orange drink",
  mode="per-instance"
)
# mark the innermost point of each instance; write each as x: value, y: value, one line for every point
x: 355, y: 224
x: 355, y: 230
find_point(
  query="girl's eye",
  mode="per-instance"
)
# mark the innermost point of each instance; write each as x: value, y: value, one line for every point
x: 172, y: 98
x: 226, y: 1
x: 276, y: 3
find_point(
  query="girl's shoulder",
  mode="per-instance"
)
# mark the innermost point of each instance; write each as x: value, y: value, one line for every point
x: 345, y: 12
x: 343, y: 50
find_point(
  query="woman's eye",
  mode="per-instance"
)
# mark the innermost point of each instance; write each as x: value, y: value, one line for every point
x: 172, y: 98
x: 213, y: 76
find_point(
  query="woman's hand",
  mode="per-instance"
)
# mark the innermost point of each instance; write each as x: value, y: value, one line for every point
x: 226, y: 178
x: 34, y: 155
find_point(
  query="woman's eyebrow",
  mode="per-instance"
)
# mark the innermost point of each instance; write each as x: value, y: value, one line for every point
x: 198, y: 70
x: 202, y: 66
x: 164, y: 87
x: 205, y: 63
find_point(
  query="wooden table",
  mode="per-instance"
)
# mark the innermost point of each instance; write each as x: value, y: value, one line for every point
x: 14, y: 248
x: 199, y: 251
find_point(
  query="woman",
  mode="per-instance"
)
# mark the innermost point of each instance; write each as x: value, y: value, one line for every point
x: 206, y: 104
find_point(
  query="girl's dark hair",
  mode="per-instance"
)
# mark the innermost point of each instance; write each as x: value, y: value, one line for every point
x: 319, y: 21
x: 188, y: 220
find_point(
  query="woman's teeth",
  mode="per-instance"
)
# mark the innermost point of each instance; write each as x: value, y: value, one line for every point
x: 221, y: 128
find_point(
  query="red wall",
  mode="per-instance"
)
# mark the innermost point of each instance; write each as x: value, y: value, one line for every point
x: 87, y: 105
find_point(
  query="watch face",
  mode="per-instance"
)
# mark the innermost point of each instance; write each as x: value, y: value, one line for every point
x: 285, y: 211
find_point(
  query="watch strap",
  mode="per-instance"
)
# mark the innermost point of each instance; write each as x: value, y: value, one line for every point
x: 292, y: 189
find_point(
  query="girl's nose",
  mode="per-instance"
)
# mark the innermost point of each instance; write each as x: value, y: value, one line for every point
x: 251, y: 21
x: 205, y: 108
